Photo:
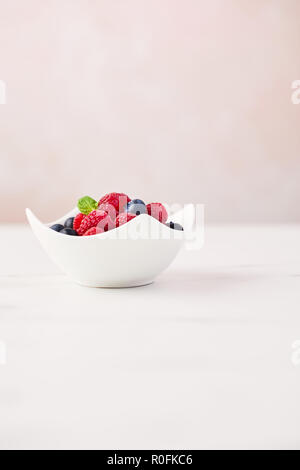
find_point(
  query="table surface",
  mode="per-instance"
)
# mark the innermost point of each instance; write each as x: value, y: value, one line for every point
x: 206, y: 357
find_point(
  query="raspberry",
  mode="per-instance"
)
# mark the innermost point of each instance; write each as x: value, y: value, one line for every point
x: 123, y: 218
x: 117, y: 200
x: 94, y: 219
x: 77, y: 221
x: 158, y: 211
x: 110, y: 209
x: 93, y: 231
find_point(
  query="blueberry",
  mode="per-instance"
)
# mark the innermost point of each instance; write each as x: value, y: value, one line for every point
x: 69, y: 231
x: 69, y: 222
x: 174, y: 226
x: 137, y: 207
x: 57, y: 227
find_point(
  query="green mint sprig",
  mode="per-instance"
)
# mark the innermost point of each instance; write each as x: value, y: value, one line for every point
x: 87, y: 204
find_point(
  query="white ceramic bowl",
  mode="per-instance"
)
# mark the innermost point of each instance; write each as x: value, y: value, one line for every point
x: 130, y: 255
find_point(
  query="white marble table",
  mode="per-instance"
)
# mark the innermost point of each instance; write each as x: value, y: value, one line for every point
x: 202, y: 358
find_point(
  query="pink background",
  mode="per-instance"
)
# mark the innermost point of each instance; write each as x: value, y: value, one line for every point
x: 172, y: 100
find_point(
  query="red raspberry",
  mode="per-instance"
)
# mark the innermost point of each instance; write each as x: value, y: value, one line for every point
x: 93, y: 231
x: 117, y: 200
x: 94, y: 219
x: 77, y: 221
x: 123, y: 218
x: 110, y: 209
x: 158, y: 211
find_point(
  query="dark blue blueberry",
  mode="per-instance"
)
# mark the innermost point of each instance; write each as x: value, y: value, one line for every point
x: 69, y: 222
x: 69, y: 231
x: 174, y: 226
x: 137, y: 207
x: 57, y: 227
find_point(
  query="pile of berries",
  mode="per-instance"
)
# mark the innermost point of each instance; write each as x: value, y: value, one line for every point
x: 113, y: 210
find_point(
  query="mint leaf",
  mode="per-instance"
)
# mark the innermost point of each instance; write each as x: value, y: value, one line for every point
x: 87, y: 204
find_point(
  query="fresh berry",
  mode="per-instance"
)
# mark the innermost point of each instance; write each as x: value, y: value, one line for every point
x: 158, y: 211
x: 136, y: 207
x: 69, y: 222
x: 96, y: 218
x: 117, y: 200
x: 69, y: 231
x: 124, y: 218
x: 57, y: 227
x: 174, y: 226
x: 110, y: 209
x: 93, y: 231
x: 77, y: 221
